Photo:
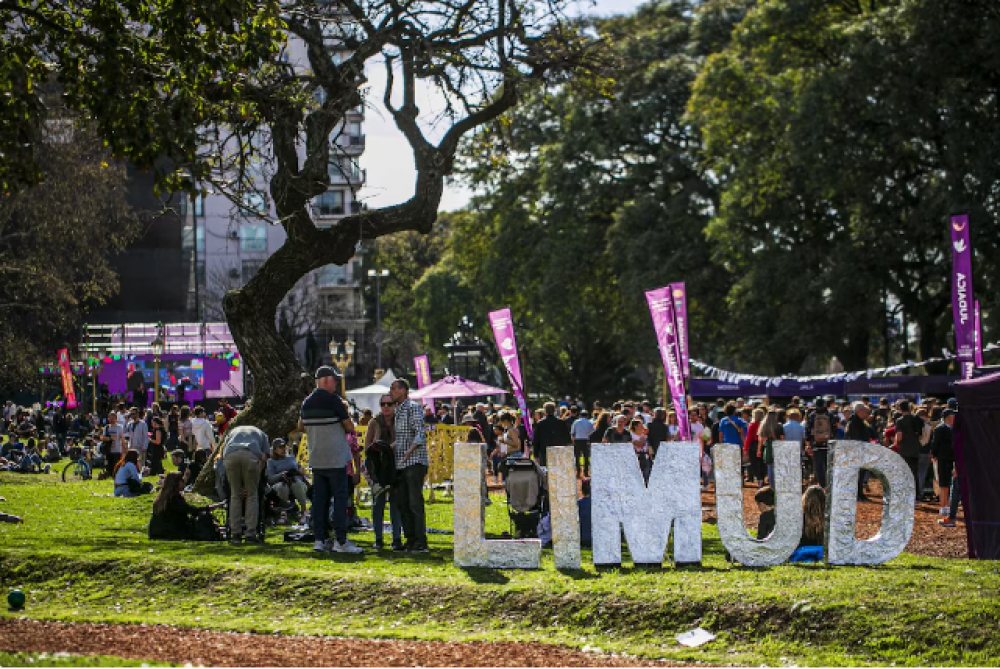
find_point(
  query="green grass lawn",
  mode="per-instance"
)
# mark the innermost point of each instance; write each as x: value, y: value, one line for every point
x: 82, y: 555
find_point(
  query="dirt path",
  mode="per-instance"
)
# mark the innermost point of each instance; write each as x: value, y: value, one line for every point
x: 181, y: 645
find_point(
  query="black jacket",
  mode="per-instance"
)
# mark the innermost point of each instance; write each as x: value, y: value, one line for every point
x: 858, y: 430
x: 485, y: 428
x: 657, y: 433
x: 943, y: 443
x: 550, y: 431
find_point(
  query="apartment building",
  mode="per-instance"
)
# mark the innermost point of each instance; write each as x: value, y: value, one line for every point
x: 228, y: 245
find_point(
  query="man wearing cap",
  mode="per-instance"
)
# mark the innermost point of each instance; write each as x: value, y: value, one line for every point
x: 285, y: 475
x: 327, y: 422
x: 410, y: 447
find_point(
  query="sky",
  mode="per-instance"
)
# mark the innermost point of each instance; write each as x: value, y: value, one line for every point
x: 387, y: 157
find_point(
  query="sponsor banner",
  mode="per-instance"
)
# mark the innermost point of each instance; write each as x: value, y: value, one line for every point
x: 503, y: 333
x: 67, y: 379
x: 679, y: 294
x: 962, y: 298
x: 661, y: 308
x: 423, y: 367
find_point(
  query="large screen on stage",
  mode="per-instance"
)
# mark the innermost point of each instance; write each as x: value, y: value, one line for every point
x: 197, y: 377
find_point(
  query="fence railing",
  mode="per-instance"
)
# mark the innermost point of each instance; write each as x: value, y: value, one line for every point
x: 441, y: 440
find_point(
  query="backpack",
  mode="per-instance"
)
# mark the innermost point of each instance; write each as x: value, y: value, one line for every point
x: 822, y: 428
x: 381, y: 463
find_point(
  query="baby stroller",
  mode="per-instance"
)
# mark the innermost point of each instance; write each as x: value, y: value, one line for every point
x: 527, y: 499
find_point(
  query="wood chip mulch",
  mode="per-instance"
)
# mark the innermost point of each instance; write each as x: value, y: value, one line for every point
x: 182, y: 645
x: 929, y: 539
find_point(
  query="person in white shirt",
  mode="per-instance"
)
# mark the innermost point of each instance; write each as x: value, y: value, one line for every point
x: 580, y: 430
x: 113, y: 440
x: 204, y: 435
x: 138, y: 435
x: 646, y: 412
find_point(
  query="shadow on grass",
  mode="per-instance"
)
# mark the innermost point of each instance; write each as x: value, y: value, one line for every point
x: 579, y: 574
x: 486, y: 575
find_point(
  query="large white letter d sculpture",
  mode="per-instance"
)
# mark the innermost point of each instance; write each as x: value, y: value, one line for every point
x: 620, y: 499
x: 847, y: 459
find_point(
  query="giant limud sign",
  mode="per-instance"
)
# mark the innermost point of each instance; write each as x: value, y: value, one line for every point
x: 672, y: 503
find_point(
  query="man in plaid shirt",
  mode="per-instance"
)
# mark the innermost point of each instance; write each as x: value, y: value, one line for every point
x: 410, y: 448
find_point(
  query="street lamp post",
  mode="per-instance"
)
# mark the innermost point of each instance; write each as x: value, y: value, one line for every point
x: 379, y: 274
x: 157, y: 347
x: 342, y: 362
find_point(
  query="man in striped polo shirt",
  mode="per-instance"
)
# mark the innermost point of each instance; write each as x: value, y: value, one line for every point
x: 327, y: 422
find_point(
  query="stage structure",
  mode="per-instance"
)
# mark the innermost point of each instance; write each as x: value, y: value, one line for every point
x: 189, y: 362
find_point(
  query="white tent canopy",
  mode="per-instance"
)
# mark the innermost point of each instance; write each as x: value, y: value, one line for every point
x: 368, y: 397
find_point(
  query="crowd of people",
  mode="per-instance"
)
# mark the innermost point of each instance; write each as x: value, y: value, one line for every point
x: 251, y: 469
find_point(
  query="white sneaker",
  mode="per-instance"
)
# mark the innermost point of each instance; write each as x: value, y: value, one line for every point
x: 346, y: 547
x: 321, y: 547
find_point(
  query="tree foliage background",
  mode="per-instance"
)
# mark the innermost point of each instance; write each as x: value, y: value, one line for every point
x: 793, y: 161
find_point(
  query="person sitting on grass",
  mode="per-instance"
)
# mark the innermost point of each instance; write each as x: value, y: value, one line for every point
x: 813, y: 526
x: 180, y: 463
x: 128, y: 481
x: 174, y: 519
x: 765, y: 503
x: 195, y: 466
x: 286, y: 476
x: 31, y: 462
x: 583, y: 507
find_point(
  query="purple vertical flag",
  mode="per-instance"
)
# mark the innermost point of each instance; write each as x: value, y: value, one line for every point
x: 679, y: 294
x: 979, y: 335
x: 423, y: 367
x: 503, y: 333
x: 961, y: 294
x: 661, y: 308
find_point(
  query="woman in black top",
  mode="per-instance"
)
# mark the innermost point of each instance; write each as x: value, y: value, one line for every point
x: 156, y: 450
x: 173, y: 518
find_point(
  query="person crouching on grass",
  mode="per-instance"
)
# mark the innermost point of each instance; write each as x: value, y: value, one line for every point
x: 246, y: 448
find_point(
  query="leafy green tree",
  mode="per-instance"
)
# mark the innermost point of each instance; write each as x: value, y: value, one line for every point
x: 55, y: 243
x: 151, y: 75
x: 593, y: 194
x: 844, y: 134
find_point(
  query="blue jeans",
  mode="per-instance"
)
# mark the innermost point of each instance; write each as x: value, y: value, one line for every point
x: 28, y: 461
x: 330, y: 485
x: 378, y: 517
x: 955, y: 498
x: 770, y: 474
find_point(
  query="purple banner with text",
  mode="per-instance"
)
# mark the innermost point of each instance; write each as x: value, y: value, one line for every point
x: 679, y: 293
x: 661, y: 308
x: 503, y: 333
x: 423, y: 367
x: 962, y: 297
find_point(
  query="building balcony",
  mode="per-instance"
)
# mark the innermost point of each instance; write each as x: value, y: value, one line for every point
x: 355, y: 177
x: 352, y: 144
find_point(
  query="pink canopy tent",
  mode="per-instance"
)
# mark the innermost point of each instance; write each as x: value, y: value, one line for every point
x: 453, y: 387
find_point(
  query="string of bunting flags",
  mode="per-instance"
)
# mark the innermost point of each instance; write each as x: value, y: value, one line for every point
x: 757, y: 379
